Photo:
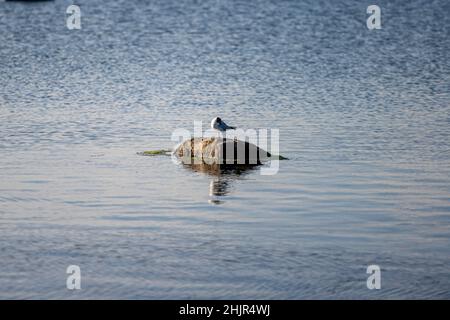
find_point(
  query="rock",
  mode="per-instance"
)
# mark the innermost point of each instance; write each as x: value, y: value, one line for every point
x: 220, y: 151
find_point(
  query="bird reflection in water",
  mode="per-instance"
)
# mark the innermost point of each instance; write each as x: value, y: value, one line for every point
x: 222, y: 177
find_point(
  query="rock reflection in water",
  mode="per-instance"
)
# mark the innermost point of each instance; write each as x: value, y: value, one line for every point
x: 222, y: 177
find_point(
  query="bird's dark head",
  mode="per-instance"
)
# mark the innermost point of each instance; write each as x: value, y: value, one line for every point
x: 218, y: 120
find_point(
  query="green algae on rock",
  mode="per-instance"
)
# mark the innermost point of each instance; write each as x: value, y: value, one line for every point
x: 155, y: 153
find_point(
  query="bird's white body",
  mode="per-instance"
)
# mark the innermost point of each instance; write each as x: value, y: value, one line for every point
x: 219, y: 125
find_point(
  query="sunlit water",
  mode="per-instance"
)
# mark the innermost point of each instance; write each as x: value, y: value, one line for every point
x: 364, y: 119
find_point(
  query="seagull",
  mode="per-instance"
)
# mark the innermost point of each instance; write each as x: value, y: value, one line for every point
x: 218, y: 124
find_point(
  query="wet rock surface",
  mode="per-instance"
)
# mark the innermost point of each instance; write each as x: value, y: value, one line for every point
x: 220, y: 151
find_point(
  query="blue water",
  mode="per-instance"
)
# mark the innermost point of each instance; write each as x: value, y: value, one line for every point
x: 363, y: 115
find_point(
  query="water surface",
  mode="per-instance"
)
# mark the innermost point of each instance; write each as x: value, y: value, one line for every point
x: 364, y: 118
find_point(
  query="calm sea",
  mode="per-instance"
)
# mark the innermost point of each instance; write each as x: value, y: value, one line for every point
x: 363, y: 116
